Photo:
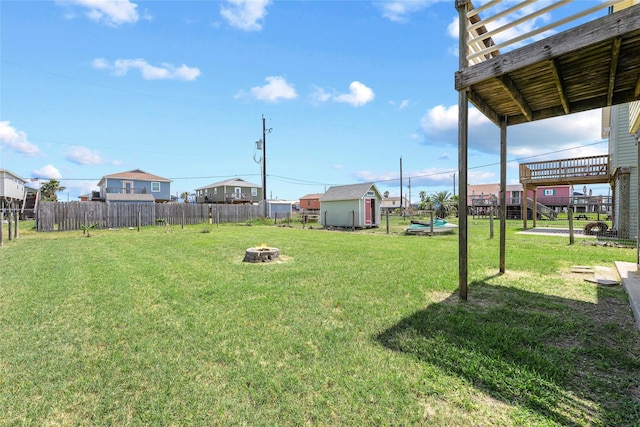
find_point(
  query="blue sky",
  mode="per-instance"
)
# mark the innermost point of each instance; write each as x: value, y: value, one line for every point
x: 179, y: 88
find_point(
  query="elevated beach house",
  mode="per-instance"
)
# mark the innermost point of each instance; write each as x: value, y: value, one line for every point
x: 235, y: 190
x: 133, y: 186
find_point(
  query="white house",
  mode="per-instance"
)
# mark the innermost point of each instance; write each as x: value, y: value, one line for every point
x: 11, y: 187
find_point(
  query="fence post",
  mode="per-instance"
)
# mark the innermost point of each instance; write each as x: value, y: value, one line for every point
x: 387, y: 216
x: 431, y: 222
x: 16, y: 217
x: 1, y: 227
x: 353, y: 220
x: 9, y: 218
x: 183, y: 219
x: 570, y: 214
x: 491, y: 222
x: 139, y: 219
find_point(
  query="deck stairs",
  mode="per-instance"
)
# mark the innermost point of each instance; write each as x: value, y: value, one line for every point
x: 30, y: 205
x: 542, y: 209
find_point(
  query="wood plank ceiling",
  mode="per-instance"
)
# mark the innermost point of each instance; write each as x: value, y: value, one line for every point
x: 591, y: 66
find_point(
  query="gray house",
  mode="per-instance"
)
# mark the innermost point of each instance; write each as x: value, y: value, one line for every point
x: 355, y: 205
x: 12, y: 187
x: 134, y: 186
x: 235, y: 190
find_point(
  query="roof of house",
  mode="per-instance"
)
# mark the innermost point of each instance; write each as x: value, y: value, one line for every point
x: 235, y: 182
x: 348, y: 192
x: 124, y: 197
x: 311, y: 196
x: 136, y: 174
x: 8, y: 172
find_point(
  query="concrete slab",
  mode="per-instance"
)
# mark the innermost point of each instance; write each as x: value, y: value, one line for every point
x: 630, y: 277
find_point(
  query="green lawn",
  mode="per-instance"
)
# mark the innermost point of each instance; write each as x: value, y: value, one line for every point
x: 167, y: 326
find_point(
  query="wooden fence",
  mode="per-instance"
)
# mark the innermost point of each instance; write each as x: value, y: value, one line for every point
x: 73, y: 215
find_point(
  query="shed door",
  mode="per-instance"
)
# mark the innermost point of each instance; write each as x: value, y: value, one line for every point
x: 368, y: 205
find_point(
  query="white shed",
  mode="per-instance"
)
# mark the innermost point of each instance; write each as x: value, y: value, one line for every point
x: 355, y: 205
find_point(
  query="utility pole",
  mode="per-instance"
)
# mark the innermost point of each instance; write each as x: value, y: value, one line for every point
x: 454, y: 184
x: 264, y: 164
x: 409, y: 192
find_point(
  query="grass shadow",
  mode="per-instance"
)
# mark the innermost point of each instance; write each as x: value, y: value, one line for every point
x: 570, y: 362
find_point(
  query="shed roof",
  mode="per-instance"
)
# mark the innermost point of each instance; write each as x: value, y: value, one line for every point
x: 348, y: 192
x: 235, y: 182
x: 136, y: 174
x: 312, y: 196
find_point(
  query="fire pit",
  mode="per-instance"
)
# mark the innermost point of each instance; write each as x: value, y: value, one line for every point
x: 261, y: 254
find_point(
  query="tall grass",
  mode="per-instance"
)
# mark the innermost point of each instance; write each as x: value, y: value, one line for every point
x: 167, y: 326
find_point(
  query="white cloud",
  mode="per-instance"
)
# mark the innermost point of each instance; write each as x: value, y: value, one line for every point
x: 320, y: 95
x: 400, y: 105
x: 166, y: 71
x: 47, y: 172
x: 16, y: 140
x: 84, y: 156
x: 245, y: 14
x: 358, y: 95
x: 276, y: 88
x: 440, y: 127
x: 398, y: 10
x: 81, y: 187
x: 109, y: 12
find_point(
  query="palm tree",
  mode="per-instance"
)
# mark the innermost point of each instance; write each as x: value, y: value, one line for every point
x: 49, y: 189
x: 426, y: 203
x: 185, y: 196
x: 444, y: 203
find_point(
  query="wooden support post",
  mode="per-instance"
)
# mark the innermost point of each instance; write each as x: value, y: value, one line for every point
x: 16, y: 228
x: 571, y: 236
x: 353, y: 220
x: 387, y: 216
x: 431, y: 222
x: 462, y: 7
x: 1, y: 227
x: 491, y: 223
x: 525, y: 206
x: 503, y: 194
x: 9, y: 218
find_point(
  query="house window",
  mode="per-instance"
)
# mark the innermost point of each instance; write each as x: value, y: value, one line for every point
x: 549, y: 192
x: 215, y: 190
x: 254, y: 192
x: 155, y: 187
x: 370, y: 193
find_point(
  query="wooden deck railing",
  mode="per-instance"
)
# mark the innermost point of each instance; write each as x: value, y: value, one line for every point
x: 576, y: 170
x: 488, y: 35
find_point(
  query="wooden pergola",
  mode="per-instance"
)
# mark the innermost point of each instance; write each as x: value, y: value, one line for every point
x: 594, y: 65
